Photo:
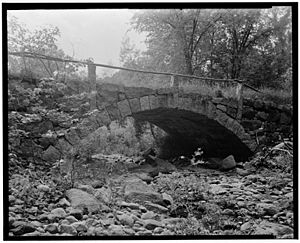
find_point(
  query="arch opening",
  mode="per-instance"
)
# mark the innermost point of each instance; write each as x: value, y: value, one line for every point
x: 188, y: 131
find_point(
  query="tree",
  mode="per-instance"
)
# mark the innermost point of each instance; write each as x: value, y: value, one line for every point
x: 174, y: 36
x: 41, y: 41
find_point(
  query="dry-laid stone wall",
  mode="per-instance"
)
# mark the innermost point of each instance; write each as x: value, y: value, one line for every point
x: 262, y: 122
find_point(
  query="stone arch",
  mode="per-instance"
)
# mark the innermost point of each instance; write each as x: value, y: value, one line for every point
x: 201, y: 110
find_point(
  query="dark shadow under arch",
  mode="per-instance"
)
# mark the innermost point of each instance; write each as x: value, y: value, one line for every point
x: 189, y: 130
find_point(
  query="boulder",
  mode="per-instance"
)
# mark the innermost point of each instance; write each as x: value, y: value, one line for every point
x: 51, y: 154
x: 103, y: 195
x: 82, y: 200
x: 138, y: 191
x: 228, y: 163
x: 268, y: 228
x: 21, y: 228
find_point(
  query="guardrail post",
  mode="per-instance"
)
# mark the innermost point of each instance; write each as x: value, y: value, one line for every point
x: 239, y: 93
x: 92, y: 85
x: 174, y: 82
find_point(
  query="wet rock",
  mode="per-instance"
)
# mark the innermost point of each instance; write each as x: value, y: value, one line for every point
x: 69, y: 229
x: 81, y: 199
x: 51, y: 228
x: 151, y: 224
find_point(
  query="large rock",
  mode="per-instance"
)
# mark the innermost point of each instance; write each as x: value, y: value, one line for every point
x: 81, y: 199
x: 51, y: 154
x: 137, y: 190
x: 228, y: 163
x: 268, y: 228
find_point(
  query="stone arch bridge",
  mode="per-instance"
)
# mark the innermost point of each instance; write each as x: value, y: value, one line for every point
x: 193, y: 120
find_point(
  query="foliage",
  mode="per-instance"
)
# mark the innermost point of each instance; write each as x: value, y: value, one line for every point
x: 249, y: 44
x: 42, y: 41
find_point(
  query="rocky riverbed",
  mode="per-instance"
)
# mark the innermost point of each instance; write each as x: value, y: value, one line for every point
x: 187, y: 200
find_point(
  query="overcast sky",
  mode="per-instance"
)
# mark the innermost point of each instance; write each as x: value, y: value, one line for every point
x: 91, y: 33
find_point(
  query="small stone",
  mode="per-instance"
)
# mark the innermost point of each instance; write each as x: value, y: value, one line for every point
x: 43, y: 188
x: 58, y: 212
x: 37, y: 224
x: 151, y: 224
x: 130, y: 205
x: 167, y: 199
x: 52, y: 228
x: 246, y: 226
x: 145, y: 232
x: 129, y: 231
x: 143, y: 209
x: 116, y: 230
x: 65, y: 221
x: 79, y: 226
x: 19, y: 201
x: 77, y: 213
x: 35, y: 233
x: 126, y: 219
x: 156, y: 208
x: 228, y: 211
x: 98, y: 184
x: 148, y: 215
x: 69, y: 229
x: 11, y: 199
x: 71, y: 219
x: 64, y: 203
x: 158, y: 230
